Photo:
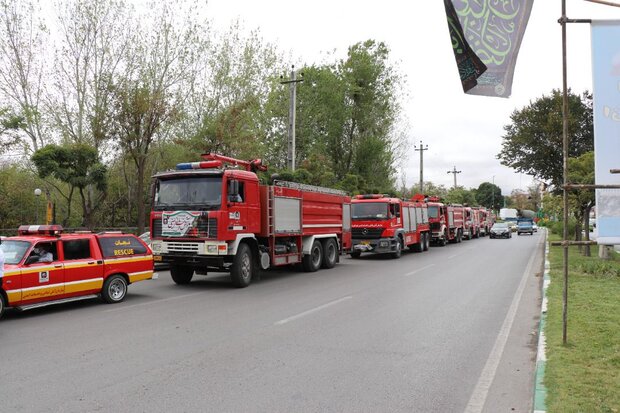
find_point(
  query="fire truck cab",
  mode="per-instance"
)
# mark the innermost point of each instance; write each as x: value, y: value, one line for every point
x: 44, y: 265
x: 387, y: 225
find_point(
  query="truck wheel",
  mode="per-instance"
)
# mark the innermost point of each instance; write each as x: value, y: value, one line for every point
x: 427, y: 241
x: 418, y: 246
x: 242, y: 268
x: 330, y: 253
x: 2, y: 304
x: 399, y: 248
x: 355, y: 254
x: 444, y: 239
x: 181, y: 275
x: 312, y: 261
x: 114, y: 289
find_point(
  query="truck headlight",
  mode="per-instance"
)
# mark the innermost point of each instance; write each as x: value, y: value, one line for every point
x: 211, y: 249
x: 156, y: 246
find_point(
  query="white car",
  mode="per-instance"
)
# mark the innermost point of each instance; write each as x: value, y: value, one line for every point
x: 146, y: 237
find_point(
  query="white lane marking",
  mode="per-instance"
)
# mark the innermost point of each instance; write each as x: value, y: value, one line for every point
x: 313, y: 310
x: 125, y: 307
x: 463, y: 251
x: 479, y: 396
x: 419, y: 269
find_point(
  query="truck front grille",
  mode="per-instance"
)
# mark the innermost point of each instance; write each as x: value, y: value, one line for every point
x: 367, y: 233
x: 183, y: 247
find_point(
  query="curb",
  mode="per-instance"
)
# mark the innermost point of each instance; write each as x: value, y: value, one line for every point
x: 540, y: 391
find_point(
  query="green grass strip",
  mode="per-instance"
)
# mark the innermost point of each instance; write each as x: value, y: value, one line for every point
x: 584, y: 375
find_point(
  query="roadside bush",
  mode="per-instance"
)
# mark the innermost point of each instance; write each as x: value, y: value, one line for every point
x: 557, y: 227
x: 604, y: 269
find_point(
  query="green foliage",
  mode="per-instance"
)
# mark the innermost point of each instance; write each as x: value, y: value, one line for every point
x: 346, y: 115
x: 533, y: 141
x: 460, y: 195
x: 489, y: 195
x: 18, y: 203
x: 77, y: 165
x: 557, y: 227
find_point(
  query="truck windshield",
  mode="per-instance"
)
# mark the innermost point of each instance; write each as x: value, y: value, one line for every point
x: 369, y: 210
x: 202, y: 193
x: 433, y: 212
x: 14, y: 250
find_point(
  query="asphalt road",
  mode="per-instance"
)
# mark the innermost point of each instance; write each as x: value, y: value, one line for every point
x: 449, y: 330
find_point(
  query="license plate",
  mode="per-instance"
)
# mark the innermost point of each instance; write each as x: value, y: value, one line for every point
x: 156, y: 257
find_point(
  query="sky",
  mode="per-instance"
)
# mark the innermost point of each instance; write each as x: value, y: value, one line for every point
x: 462, y: 131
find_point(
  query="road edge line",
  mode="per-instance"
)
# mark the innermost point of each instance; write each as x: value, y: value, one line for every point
x: 540, y: 391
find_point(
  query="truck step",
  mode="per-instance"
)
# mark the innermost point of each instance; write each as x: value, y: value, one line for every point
x: 61, y: 301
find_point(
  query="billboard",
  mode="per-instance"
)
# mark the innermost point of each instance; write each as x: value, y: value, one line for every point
x: 606, y: 92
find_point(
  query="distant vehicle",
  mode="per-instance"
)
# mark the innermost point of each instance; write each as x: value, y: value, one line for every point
x: 146, y: 237
x: 535, y: 227
x: 508, y: 213
x: 525, y: 226
x: 512, y: 225
x: 501, y: 230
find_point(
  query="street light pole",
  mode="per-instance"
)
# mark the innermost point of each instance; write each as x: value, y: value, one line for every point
x: 493, y: 195
x: 292, y: 82
x: 37, y: 194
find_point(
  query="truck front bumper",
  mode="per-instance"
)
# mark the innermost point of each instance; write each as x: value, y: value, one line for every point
x: 194, y: 261
x: 377, y: 246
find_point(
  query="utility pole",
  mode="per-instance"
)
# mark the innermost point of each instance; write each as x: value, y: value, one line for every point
x: 493, y: 195
x: 454, y: 172
x: 292, y: 82
x: 422, y: 148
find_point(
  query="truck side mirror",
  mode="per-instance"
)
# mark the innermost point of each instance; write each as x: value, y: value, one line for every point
x: 233, y: 188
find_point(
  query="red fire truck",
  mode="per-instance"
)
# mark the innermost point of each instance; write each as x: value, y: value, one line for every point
x: 446, y: 221
x: 471, y: 227
x: 382, y: 224
x: 211, y: 216
x: 484, y: 220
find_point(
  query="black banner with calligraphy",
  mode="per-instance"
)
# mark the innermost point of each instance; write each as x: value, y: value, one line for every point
x: 492, y: 31
x: 470, y: 66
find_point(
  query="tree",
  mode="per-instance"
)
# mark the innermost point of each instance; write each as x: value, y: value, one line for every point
x: 150, y: 97
x: 94, y: 38
x: 460, y: 195
x: 533, y: 141
x: 489, y: 195
x: 581, y: 171
x: 22, y: 68
x: 225, y: 111
x: 78, y: 166
x: 348, y: 111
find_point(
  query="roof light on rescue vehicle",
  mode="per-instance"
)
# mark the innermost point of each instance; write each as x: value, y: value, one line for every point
x: 39, y: 230
x: 199, y: 165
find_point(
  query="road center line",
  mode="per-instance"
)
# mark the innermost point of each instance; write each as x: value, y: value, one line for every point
x: 419, y: 269
x: 479, y: 396
x: 151, y: 302
x: 313, y: 310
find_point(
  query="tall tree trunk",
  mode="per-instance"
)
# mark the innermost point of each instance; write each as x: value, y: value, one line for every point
x: 140, y: 194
